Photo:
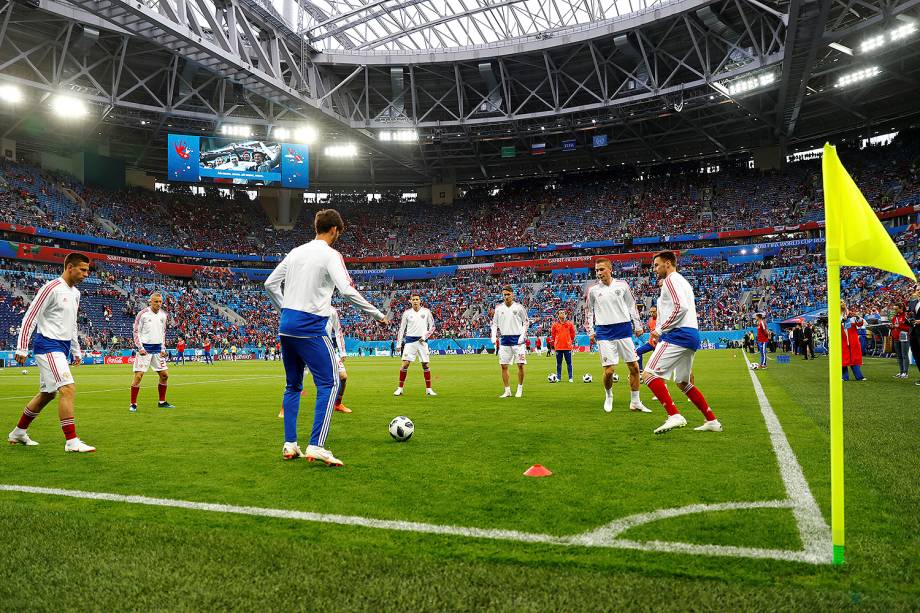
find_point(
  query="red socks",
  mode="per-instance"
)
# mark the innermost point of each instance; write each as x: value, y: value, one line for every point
x: 27, y: 417
x: 134, y: 393
x: 402, y: 376
x: 69, y: 428
x: 660, y: 389
x: 696, y: 397
x: 338, y: 399
x: 427, y: 374
x: 161, y: 388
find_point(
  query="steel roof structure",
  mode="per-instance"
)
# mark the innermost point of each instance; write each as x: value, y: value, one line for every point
x: 675, y: 79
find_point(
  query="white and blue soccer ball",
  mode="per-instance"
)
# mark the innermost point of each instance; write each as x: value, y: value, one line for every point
x: 401, y: 428
x: 616, y: 377
x: 587, y: 378
x: 552, y: 378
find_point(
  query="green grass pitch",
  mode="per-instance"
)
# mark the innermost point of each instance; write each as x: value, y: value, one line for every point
x: 462, y: 468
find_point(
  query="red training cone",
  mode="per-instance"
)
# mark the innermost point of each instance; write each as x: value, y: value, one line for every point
x: 537, y: 470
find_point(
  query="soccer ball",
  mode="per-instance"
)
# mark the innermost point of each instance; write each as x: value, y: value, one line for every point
x: 401, y: 428
x: 25, y: 371
x: 587, y: 378
x: 755, y: 366
x: 552, y: 378
x: 616, y: 377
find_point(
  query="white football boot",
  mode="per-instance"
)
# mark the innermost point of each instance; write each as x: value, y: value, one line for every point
x: 430, y: 392
x: 398, y: 391
x: 507, y: 393
x: 291, y: 451
x: 639, y: 407
x: 314, y: 452
x: 20, y: 437
x: 710, y: 426
x: 519, y: 392
x: 671, y: 423
x: 75, y: 445
x: 608, y: 403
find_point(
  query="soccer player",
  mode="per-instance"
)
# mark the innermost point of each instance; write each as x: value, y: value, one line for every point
x: 180, y: 350
x: 648, y: 346
x: 415, y: 329
x: 150, y: 340
x: 334, y: 331
x: 509, y: 329
x: 563, y: 335
x: 206, y: 348
x: 53, y: 313
x: 310, y: 273
x: 676, y: 340
x: 763, y: 337
x: 610, y: 306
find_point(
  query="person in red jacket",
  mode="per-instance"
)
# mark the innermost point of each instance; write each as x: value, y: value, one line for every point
x: 563, y: 341
x: 900, y: 339
x: 852, y: 351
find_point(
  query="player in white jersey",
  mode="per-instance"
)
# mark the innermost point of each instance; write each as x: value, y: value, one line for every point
x: 53, y: 316
x: 310, y: 274
x: 509, y: 331
x: 415, y: 329
x: 150, y: 345
x: 611, y: 319
x: 676, y: 339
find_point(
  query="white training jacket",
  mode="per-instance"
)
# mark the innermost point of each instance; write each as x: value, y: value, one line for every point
x: 417, y: 325
x: 676, y: 307
x: 310, y: 273
x: 606, y: 305
x: 510, y: 321
x: 53, y: 312
x: 150, y: 328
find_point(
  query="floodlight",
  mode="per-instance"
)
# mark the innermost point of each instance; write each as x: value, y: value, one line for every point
x: 857, y: 76
x: 68, y: 107
x: 305, y: 135
x: 341, y: 151
x: 10, y: 94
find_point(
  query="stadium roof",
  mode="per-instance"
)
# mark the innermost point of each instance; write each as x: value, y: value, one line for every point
x: 415, y: 25
x: 471, y: 82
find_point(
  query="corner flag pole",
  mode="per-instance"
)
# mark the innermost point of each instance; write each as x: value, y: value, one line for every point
x: 835, y: 370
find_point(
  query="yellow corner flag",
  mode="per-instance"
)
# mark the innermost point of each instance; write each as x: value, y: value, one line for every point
x: 854, y: 237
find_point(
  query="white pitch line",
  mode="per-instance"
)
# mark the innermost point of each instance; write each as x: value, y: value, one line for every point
x: 813, y: 529
x: 121, y: 389
x: 613, y: 530
x: 408, y: 526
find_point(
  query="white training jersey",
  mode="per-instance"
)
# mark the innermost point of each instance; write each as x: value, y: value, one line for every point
x: 310, y: 273
x: 510, y: 321
x: 53, y: 312
x: 334, y: 330
x: 150, y: 328
x: 610, y: 304
x: 415, y: 324
x: 676, y: 304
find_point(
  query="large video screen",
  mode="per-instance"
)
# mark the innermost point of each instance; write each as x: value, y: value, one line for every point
x: 238, y: 161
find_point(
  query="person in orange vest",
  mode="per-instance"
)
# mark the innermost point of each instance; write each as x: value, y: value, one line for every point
x: 563, y: 339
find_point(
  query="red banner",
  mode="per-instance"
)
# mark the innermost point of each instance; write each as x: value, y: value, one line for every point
x: 119, y: 359
x: 56, y: 255
x: 573, y: 262
x: 11, y: 227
